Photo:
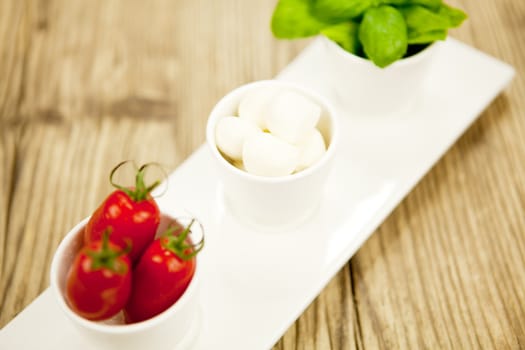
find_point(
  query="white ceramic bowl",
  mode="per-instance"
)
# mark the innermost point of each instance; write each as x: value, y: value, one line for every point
x: 362, y: 88
x: 274, y: 202
x: 176, y: 327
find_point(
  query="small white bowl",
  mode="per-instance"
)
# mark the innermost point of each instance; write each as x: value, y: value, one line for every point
x: 274, y: 202
x: 362, y: 88
x: 176, y: 327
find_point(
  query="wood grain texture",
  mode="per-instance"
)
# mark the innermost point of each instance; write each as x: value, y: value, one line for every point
x: 86, y: 84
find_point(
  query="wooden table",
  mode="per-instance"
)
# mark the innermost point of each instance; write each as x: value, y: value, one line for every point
x: 86, y: 84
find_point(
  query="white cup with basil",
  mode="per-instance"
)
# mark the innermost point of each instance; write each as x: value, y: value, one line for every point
x: 377, y: 52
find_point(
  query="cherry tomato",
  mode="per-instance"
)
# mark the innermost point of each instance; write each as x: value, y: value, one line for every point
x: 132, y: 215
x: 162, y: 274
x: 99, y: 281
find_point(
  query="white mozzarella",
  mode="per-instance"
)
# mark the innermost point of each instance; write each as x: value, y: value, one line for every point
x: 266, y: 155
x: 291, y: 116
x: 311, y: 150
x: 253, y: 105
x: 231, y: 134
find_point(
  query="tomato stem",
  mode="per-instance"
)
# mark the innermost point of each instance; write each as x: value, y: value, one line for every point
x: 141, y: 191
x: 106, y: 257
x: 178, y: 245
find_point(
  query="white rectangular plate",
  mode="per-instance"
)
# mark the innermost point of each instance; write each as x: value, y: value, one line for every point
x: 256, y: 284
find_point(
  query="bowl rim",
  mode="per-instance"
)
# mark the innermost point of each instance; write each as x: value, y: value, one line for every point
x: 214, y: 117
x: 405, y: 61
x: 124, y: 329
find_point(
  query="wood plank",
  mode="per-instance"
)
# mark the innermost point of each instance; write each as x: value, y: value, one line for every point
x: 183, y: 54
x: 7, y: 176
x: 14, y: 44
x: 329, y: 322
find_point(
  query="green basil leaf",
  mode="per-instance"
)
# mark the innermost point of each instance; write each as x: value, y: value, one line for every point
x: 453, y: 15
x: 426, y: 38
x: 344, y: 34
x: 431, y: 4
x: 335, y: 10
x: 383, y: 34
x: 293, y: 19
x: 426, y: 26
x: 421, y: 20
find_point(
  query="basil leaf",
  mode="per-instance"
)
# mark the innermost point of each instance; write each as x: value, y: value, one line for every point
x: 344, y: 34
x: 453, y: 15
x: 293, y: 19
x: 431, y: 4
x: 383, y: 34
x: 335, y: 10
x: 420, y: 19
x: 426, y: 38
x: 426, y: 26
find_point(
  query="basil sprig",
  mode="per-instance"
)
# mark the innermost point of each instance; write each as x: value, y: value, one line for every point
x: 381, y: 30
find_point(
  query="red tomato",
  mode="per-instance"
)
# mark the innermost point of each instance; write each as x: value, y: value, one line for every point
x: 162, y: 274
x: 132, y: 215
x: 99, y: 281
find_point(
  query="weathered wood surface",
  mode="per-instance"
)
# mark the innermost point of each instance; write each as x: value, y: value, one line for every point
x: 85, y: 84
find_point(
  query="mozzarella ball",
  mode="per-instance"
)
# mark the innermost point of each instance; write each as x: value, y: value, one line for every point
x: 266, y: 155
x: 291, y: 116
x: 311, y: 150
x: 253, y: 104
x: 231, y: 134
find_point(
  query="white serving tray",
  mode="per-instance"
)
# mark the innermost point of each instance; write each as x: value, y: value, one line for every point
x: 256, y: 284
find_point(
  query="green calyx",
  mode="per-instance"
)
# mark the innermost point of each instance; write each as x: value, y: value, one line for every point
x: 178, y: 244
x: 106, y: 257
x: 141, y: 191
